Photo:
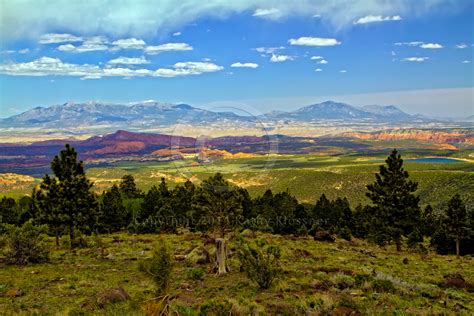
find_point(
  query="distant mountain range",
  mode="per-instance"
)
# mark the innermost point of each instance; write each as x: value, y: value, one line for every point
x: 151, y: 113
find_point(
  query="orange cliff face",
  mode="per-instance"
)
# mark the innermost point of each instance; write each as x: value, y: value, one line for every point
x: 444, y: 138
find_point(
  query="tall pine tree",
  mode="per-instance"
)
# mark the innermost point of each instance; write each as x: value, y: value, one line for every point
x: 457, y: 222
x: 66, y: 200
x: 394, y: 205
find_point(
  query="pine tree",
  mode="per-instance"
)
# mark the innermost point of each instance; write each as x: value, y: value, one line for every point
x: 457, y: 221
x: 394, y: 205
x: 128, y: 187
x: 113, y: 215
x: 67, y: 200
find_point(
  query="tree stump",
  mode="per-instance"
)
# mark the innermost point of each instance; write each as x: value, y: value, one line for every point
x: 221, y: 253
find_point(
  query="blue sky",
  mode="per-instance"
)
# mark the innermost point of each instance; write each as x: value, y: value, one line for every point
x: 265, y: 54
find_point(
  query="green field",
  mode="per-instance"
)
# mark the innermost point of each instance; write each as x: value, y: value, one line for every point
x: 318, y: 279
x: 305, y: 176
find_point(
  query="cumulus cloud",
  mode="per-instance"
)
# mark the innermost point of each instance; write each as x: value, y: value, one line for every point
x: 244, y: 65
x: 55, y: 38
x: 176, y: 33
x: 47, y: 66
x: 128, y: 61
x: 431, y: 46
x: 317, y: 57
x: 313, y: 41
x: 343, y: 71
x: 90, y: 44
x: 24, y: 51
x: 280, y: 58
x: 466, y: 61
x: 168, y: 47
x: 318, y: 70
x: 461, y: 46
x: 416, y: 59
x: 420, y: 44
x: 147, y: 18
x: 129, y: 43
x: 377, y: 18
x: 272, y: 14
x: 187, y: 69
x: 268, y: 50
x: 323, y: 62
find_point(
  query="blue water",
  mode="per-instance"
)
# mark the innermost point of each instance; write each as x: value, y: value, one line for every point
x: 427, y: 160
x: 434, y: 160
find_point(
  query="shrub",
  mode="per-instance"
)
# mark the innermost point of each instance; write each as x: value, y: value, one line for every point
x: 216, y: 308
x: 262, y: 263
x: 414, y: 239
x: 26, y: 244
x: 159, y: 267
x: 361, y: 278
x: 196, y: 274
x: 383, y: 285
x: 343, y: 281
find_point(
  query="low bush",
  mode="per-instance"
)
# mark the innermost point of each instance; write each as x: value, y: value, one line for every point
x: 216, y: 308
x: 159, y: 267
x: 383, y: 285
x: 261, y: 263
x: 343, y: 281
x: 196, y: 274
x: 26, y: 244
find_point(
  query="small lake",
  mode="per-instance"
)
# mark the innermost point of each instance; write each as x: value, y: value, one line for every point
x: 435, y: 160
x: 428, y: 160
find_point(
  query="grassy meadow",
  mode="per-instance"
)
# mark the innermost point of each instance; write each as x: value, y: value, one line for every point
x: 318, y: 278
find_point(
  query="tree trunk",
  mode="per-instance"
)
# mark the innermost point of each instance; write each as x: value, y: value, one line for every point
x: 72, y: 238
x: 457, y: 248
x: 398, y: 242
x: 57, y: 240
x: 221, y: 253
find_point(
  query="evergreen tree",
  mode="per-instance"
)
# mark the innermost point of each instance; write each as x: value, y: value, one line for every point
x: 218, y: 203
x: 394, y: 206
x: 8, y: 211
x: 113, y: 216
x: 457, y: 221
x: 67, y: 200
x: 128, y: 187
x: 182, y: 203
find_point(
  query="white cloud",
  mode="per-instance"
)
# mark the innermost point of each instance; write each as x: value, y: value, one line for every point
x: 9, y: 51
x: 318, y: 70
x: 272, y: 14
x: 317, y: 16
x: 461, y: 46
x: 314, y: 41
x: 244, y: 65
x: 129, y: 43
x: 168, y: 47
x: 176, y: 33
x: 466, y: 61
x: 187, y: 69
x: 280, y: 58
x: 416, y: 59
x: 323, y: 62
x: 47, y: 66
x: 87, y: 46
x: 343, y: 71
x: 55, y: 38
x: 31, y: 18
x: 24, y: 51
x: 420, y: 44
x: 317, y: 57
x: 431, y: 46
x: 128, y: 61
x: 269, y: 50
x: 377, y: 18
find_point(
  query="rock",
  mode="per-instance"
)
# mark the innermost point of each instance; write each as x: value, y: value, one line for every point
x: 345, y: 311
x: 14, y: 292
x: 454, y: 280
x: 405, y: 260
x: 324, y: 236
x: 112, y: 295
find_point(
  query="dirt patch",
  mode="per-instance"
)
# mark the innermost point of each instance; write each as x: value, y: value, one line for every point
x: 112, y: 295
